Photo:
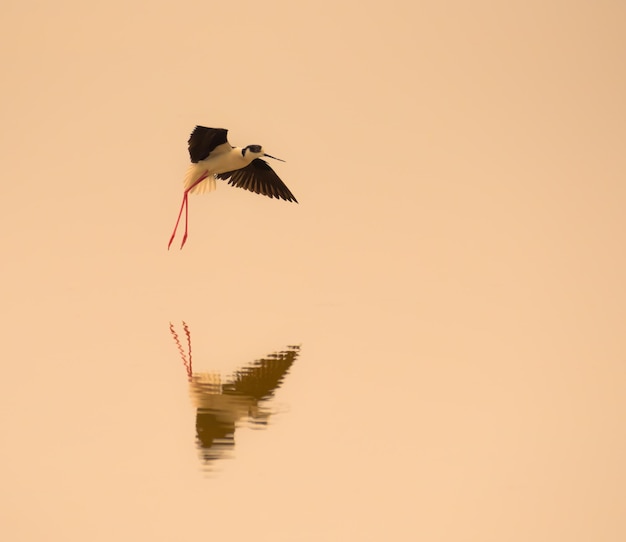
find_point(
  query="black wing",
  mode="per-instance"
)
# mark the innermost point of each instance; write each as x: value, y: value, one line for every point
x: 260, y: 178
x: 203, y: 141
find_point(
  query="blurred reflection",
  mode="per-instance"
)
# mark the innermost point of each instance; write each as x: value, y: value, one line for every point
x: 220, y: 405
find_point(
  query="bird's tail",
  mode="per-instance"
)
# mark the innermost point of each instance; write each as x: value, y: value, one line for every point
x: 193, y: 174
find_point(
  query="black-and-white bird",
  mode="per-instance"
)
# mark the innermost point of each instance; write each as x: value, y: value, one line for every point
x: 213, y: 157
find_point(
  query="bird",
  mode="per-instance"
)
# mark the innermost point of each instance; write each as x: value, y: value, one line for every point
x: 213, y: 157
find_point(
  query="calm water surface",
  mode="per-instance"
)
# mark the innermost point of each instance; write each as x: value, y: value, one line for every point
x: 429, y: 346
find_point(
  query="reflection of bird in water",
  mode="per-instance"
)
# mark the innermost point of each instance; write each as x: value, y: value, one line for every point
x: 220, y: 405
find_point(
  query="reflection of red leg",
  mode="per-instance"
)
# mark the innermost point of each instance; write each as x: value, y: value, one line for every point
x: 188, y: 333
x: 186, y: 363
x: 185, y: 205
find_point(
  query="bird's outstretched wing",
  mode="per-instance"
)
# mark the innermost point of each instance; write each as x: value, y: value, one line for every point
x: 260, y: 178
x: 203, y: 141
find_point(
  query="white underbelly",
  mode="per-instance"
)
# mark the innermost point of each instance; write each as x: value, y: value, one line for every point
x: 224, y: 161
x: 221, y: 163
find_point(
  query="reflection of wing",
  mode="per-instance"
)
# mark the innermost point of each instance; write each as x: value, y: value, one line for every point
x: 260, y: 178
x: 213, y: 433
x: 263, y: 377
x: 221, y: 406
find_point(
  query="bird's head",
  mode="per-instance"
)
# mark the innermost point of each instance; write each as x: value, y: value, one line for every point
x: 255, y: 151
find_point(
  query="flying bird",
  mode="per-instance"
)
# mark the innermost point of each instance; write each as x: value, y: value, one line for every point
x: 213, y: 157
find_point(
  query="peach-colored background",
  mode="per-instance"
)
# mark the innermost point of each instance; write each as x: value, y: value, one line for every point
x: 454, y: 271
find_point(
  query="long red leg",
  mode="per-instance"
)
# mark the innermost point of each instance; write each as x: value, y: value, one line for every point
x: 182, y: 244
x: 185, y: 205
x: 178, y: 219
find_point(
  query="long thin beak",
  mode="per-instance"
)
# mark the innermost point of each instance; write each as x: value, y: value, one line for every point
x: 279, y: 159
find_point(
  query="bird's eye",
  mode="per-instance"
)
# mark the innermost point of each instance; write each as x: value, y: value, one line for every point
x: 255, y: 148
